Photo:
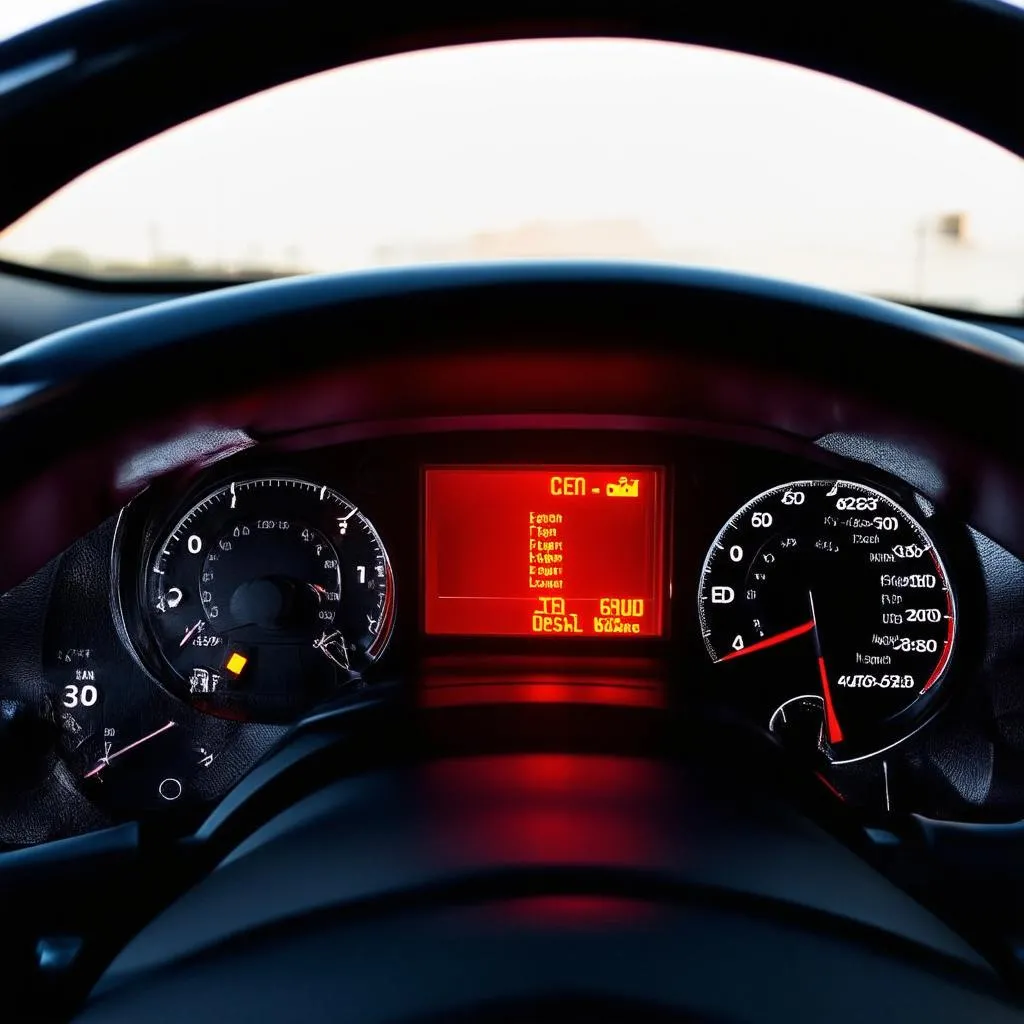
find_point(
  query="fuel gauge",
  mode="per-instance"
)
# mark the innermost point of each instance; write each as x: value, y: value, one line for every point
x: 136, y: 751
x: 131, y: 768
x: 121, y: 748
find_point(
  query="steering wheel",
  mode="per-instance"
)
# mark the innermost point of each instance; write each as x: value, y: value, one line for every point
x: 392, y: 864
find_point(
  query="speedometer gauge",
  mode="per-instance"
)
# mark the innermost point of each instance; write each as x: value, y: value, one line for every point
x: 267, y: 596
x: 829, y: 592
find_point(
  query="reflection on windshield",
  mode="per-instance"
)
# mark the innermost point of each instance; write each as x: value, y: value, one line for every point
x: 592, y: 148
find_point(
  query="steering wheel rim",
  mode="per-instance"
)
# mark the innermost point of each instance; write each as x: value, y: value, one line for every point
x: 504, y: 854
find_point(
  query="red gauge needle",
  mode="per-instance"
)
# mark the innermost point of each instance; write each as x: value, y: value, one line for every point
x: 835, y: 733
x: 104, y: 761
x: 771, y: 641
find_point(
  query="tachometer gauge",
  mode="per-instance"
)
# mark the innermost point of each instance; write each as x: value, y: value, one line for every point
x: 268, y: 596
x: 825, y: 597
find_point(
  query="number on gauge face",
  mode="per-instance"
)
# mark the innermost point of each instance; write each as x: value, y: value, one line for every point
x: 829, y: 589
x: 268, y: 596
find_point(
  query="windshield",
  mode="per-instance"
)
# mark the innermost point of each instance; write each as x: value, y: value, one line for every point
x: 20, y: 15
x: 592, y: 148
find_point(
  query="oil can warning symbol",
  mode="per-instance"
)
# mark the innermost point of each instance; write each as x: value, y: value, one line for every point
x: 623, y: 488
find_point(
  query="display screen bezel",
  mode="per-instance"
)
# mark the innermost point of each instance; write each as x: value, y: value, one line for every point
x: 662, y: 555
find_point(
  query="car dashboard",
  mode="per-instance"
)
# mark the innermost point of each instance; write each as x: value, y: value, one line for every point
x: 689, y: 572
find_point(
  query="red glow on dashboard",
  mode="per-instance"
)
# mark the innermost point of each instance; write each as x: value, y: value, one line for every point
x: 453, y: 680
x: 533, y: 692
x: 547, y: 808
x: 550, y: 551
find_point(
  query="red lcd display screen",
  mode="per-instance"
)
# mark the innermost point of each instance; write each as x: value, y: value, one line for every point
x: 549, y: 551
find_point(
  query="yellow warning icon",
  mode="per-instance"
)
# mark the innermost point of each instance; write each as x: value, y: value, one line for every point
x: 625, y: 488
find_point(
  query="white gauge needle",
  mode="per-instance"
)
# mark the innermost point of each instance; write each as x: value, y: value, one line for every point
x: 191, y: 632
x: 333, y: 646
x: 104, y: 761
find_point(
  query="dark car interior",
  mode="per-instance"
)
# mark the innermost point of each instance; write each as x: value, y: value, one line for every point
x: 528, y: 640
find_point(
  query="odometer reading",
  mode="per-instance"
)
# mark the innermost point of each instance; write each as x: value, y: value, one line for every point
x: 267, y: 596
x: 845, y: 595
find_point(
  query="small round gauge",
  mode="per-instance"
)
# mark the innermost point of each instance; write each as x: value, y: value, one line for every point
x: 131, y: 746
x: 829, y: 588
x: 268, y: 596
x: 134, y: 757
x: 142, y: 764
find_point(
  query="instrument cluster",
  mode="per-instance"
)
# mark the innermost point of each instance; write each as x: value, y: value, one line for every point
x: 816, y: 599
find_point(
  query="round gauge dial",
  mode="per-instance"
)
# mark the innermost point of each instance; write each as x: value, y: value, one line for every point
x: 136, y: 754
x: 142, y: 762
x: 829, y: 589
x: 268, y: 596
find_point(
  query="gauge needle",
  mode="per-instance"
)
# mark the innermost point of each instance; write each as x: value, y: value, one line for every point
x: 190, y: 632
x: 835, y: 733
x: 106, y: 759
x: 333, y: 646
x: 771, y: 641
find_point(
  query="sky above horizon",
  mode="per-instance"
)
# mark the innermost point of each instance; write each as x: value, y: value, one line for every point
x: 19, y: 15
x: 712, y: 157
